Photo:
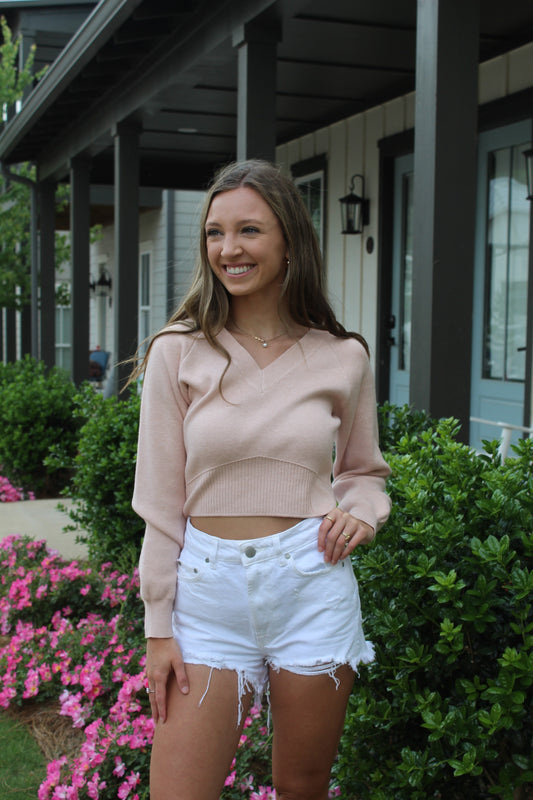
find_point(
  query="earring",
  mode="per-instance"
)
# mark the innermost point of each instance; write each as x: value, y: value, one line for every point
x: 288, y: 263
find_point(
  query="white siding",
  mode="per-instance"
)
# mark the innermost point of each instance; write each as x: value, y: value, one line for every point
x: 351, y: 146
x: 188, y: 206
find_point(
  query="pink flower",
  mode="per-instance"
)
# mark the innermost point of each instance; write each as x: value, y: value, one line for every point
x: 264, y: 793
x: 247, y: 783
x: 230, y: 780
x: 130, y: 783
x: 31, y: 684
x: 120, y: 767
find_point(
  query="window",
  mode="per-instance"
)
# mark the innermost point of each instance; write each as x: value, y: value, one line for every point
x: 506, y: 266
x: 63, y: 332
x: 310, y: 178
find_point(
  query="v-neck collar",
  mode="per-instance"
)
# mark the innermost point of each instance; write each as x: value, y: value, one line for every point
x: 263, y: 377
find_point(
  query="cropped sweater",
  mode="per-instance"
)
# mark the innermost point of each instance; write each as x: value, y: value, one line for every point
x: 262, y: 447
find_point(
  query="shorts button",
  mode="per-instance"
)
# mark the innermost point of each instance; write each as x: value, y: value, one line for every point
x: 250, y: 552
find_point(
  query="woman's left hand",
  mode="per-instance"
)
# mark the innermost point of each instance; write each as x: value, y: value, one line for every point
x: 340, y: 533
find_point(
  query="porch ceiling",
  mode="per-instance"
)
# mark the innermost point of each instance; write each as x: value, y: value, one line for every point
x: 171, y: 64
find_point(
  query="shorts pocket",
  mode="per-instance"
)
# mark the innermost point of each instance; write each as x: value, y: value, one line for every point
x: 307, y: 561
x: 191, y: 568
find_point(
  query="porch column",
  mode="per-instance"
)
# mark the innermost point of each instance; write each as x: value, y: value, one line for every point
x: 170, y: 199
x: 79, y: 229
x: 47, y: 215
x: 444, y: 207
x: 256, y: 95
x: 126, y: 278
x: 27, y: 330
x: 11, y: 335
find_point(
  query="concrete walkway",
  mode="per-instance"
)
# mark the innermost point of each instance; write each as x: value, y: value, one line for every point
x: 41, y: 519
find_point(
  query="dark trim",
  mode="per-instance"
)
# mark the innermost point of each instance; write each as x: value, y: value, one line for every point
x: 400, y: 144
x: 505, y: 110
x: 308, y: 165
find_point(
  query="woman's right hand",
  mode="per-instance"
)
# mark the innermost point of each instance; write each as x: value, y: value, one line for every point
x: 163, y: 656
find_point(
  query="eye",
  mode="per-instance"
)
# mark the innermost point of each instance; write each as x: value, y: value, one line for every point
x: 212, y: 232
x: 250, y: 229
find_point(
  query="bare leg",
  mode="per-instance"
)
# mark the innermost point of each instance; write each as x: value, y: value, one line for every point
x: 193, y: 749
x: 308, y: 716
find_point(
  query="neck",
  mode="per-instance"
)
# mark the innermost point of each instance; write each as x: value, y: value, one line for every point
x: 257, y: 320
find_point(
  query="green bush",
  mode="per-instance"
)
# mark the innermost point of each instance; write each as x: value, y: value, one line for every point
x: 445, y: 710
x: 396, y: 422
x: 103, y: 474
x: 36, y: 412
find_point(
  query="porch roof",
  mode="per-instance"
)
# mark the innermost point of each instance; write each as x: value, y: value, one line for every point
x: 171, y: 64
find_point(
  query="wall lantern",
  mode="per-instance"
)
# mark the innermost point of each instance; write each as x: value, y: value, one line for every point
x: 528, y: 155
x: 354, y: 207
x: 102, y: 287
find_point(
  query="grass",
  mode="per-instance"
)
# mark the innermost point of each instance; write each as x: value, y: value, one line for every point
x: 22, y: 764
x: 29, y: 738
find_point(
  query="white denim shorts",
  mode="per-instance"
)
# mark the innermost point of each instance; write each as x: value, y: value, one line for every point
x: 273, y: 602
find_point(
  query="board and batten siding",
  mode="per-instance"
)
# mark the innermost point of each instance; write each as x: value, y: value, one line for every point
x: 188, y: 206
x: 351, y: 147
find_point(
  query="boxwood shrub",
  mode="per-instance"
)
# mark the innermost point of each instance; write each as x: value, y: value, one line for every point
x: 36, y: 412
x: 445, y: 711
x: 103, y: 471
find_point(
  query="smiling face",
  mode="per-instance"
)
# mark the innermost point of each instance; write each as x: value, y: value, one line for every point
x: 245, y: 245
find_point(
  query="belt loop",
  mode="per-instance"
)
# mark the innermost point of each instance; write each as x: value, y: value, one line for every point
x: 213, y: 551
x: 277, y: 543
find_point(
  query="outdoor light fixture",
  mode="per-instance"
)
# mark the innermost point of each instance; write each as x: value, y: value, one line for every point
x: 528, y: 155
x: 354, y: 208
x: 102, y: 287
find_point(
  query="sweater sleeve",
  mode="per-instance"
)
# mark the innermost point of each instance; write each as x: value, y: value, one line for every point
x: 159, y: 492
x: 359, y: 470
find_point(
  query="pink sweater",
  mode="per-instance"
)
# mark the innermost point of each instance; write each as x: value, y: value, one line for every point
x: 263, y: 448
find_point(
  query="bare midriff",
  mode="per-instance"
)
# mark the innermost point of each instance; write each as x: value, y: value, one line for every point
x: 243, y: 527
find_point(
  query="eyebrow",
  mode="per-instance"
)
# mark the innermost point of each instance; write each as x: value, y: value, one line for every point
x: 240, y: 222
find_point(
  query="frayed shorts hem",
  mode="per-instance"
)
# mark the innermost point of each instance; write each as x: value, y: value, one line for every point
x: 259, y: 685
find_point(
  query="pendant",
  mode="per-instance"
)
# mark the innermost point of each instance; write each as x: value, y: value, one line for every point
x: 265, y: 344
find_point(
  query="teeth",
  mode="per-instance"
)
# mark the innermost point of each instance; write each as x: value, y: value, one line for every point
x: 236, y: 270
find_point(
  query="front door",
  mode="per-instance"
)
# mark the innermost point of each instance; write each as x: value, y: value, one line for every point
x: 402, y: 281
x: 500, y: 283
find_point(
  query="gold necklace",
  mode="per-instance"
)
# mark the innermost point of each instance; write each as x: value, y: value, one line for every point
x: 264, y: 342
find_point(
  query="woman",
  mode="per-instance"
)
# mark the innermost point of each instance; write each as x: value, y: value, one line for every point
x: 246, y: 392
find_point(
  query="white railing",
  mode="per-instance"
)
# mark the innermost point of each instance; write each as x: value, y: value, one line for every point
x: 507, y: 431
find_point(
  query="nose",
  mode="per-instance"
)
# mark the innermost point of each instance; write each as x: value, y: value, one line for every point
x: 230, y: 245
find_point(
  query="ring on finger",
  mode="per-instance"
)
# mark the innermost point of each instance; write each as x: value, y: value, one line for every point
x: 347, y: 538
x: 150, y: 691
x: 330, y: 518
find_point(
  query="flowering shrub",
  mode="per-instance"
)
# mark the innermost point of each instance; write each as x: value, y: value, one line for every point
x: 71, y: 635
x: 9, y: 494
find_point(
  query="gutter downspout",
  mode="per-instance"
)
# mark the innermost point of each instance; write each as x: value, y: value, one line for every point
x: 13, y: 176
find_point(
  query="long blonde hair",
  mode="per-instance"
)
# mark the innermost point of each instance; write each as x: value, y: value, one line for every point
x: 206, y: 307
